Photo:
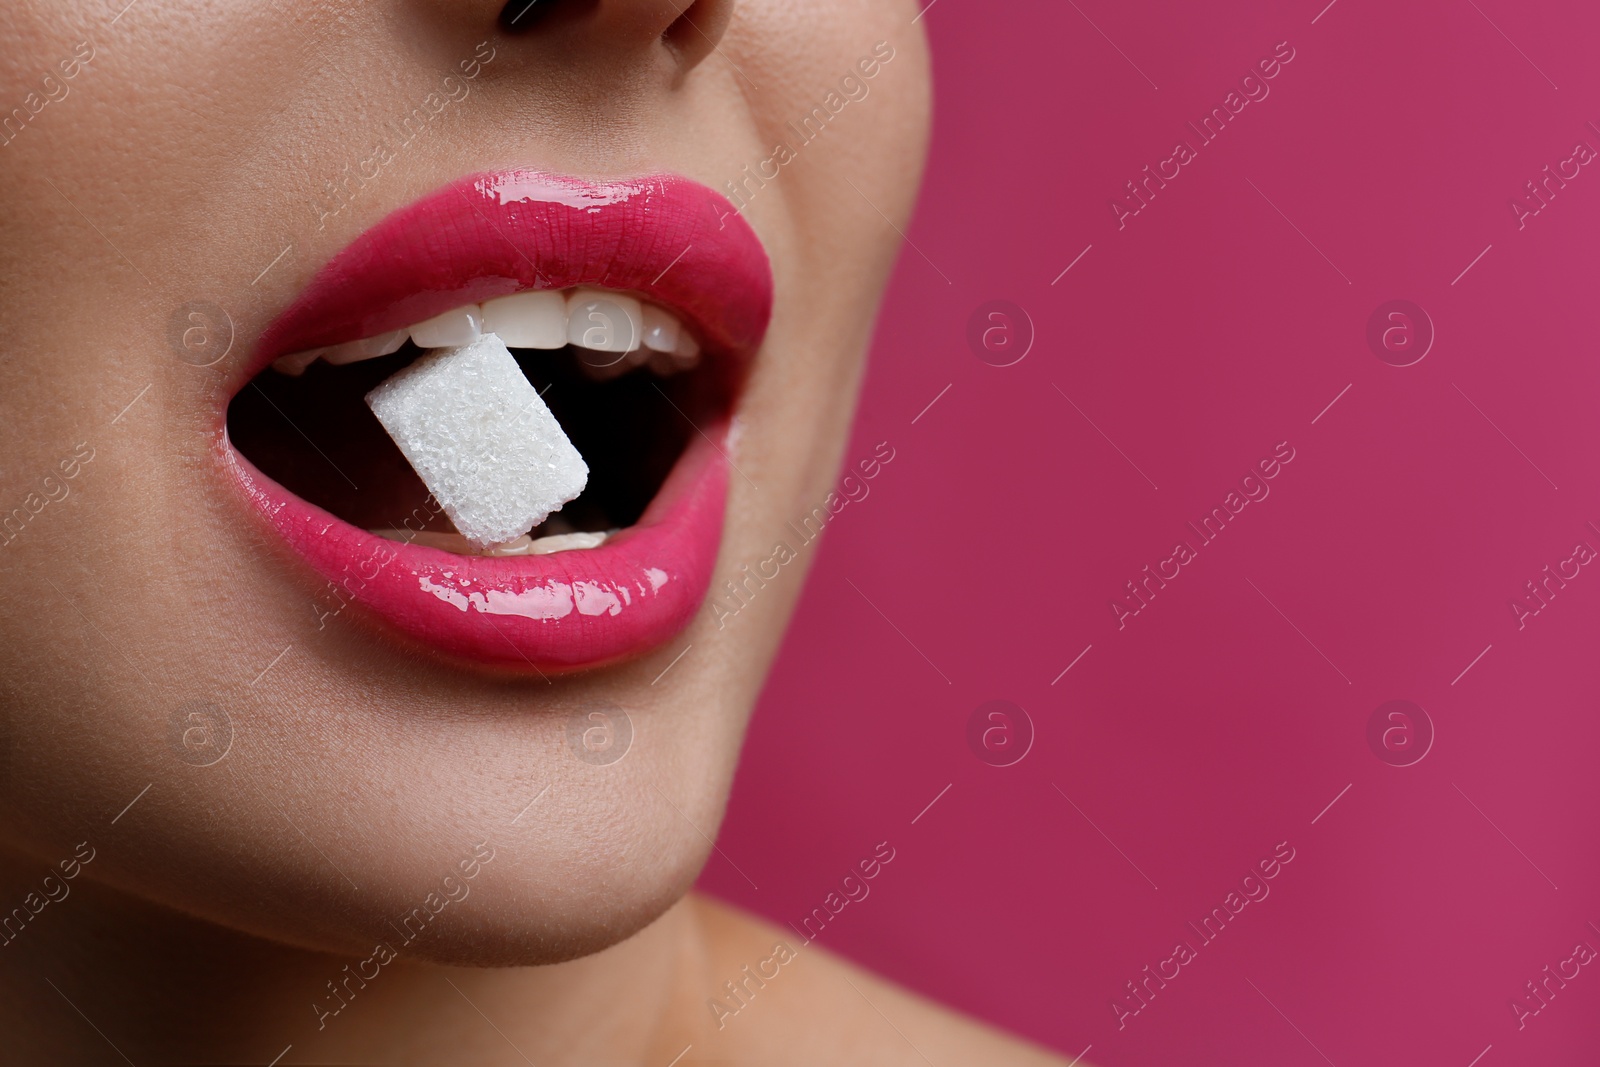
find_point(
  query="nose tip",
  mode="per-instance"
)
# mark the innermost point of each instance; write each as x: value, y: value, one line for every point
x: 690, y: 29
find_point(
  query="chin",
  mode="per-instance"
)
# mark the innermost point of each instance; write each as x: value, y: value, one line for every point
x: 503, y: 924
x: 572, y: 880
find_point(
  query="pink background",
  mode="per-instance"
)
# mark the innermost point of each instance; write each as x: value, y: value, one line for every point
x: 1217, y: 724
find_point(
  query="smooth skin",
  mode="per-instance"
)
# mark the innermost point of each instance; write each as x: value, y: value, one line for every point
x: 173, y: 151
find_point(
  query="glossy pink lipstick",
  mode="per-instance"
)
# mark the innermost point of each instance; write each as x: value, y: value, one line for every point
x: 668, y: 240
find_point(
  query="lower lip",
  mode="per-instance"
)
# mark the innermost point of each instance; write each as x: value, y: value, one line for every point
x: 558, y: 612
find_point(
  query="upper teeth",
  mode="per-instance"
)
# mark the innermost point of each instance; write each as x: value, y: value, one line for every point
x: 594, y: 319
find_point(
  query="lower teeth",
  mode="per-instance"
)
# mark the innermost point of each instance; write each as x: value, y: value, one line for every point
x: 522, y: 546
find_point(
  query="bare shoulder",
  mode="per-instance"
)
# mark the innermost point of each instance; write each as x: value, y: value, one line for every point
x: 771, y: 998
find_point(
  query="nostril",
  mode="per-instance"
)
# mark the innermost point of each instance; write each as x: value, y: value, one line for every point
x: 521, y: 16
x: 690, y: 29
x: 696, y: 32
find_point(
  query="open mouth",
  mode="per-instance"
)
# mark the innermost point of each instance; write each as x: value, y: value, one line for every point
x: 628, y: 405
x: 624, y: 314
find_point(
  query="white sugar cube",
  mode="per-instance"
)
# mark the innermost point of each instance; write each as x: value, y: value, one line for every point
x: 481, y: 439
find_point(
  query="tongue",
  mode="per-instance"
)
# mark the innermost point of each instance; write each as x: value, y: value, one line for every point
x: 481, y: 439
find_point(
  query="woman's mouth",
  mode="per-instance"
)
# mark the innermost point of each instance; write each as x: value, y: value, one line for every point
x: 633, y: 308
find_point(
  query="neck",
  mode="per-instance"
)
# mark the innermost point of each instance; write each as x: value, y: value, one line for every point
x: 98, y: 970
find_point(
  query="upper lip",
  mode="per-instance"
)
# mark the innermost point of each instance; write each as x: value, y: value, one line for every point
x: 673, y: 241
x: 667, y: 239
